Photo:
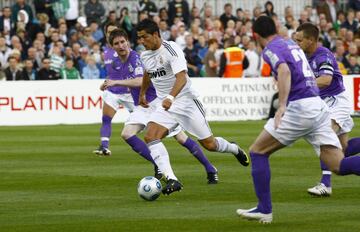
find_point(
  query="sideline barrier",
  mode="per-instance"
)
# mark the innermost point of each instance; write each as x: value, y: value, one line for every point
x: 79, y: 101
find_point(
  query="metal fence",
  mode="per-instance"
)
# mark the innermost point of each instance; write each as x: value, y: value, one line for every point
x: 218, y: 5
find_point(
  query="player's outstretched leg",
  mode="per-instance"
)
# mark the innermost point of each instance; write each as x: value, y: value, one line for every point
x: 105, y: 133
x: 323, y: 189
x: 194, y: 148
x: 353, y: 147
x: 333, y: 158
x: 261, y: 179
x: 225, y: 146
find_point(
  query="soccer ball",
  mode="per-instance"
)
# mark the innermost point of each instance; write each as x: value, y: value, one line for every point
x: 149, y: 188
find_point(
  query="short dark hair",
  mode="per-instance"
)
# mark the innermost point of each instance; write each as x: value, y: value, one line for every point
x: 149, y: 26
x: 108, y: 25
x: 11, y: 58
x: 309, y: 30
x: 264, y: 26
x: 117, y: 33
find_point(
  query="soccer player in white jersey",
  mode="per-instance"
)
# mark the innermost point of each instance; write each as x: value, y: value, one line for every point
x: 139, y: 118
x: 165, y: 67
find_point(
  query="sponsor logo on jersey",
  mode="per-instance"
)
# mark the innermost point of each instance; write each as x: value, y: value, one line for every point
x: 131, y: 69
x: 158, y: 73
x: 108, y: 61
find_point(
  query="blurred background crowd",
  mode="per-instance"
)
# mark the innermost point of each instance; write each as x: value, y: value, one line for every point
x: 64, y: 39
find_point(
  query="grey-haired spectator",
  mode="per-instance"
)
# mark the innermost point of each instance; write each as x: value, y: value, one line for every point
x: 94, y: 11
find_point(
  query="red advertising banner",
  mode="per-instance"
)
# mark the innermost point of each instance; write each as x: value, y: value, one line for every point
x: 357, y: 94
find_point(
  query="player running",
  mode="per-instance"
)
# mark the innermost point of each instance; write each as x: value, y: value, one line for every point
x: 139, y: 118
x: 166, y: 68
x: 113, y: 97
x: 332, y: 91
x: 301, y: 113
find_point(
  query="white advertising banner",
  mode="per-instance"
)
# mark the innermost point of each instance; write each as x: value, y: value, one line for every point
x: 52, y: 102
x: 80, y: 101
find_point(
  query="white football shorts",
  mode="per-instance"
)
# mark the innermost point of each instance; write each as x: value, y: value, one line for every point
x: 141, y: 115
x: 308, y: 118
x: 115, y: 100
x: 186, y: 112
x: 340, y: 110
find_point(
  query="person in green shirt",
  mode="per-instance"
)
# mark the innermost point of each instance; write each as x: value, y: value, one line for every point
x: 69, y: 72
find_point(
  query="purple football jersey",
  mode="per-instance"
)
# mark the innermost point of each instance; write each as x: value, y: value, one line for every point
x: 323, y: 62
x: 303, y: 83
x: 132, y: 68
x: 110, y: 56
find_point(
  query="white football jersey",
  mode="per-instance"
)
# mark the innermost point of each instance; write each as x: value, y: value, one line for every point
x: 162, y: 65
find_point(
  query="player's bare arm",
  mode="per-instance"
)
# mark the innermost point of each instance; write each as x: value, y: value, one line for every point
x: 179, y: 84
x: 144, y: 87
x: 284, y: 84
x: 323, y: 81
x: 132, y: 83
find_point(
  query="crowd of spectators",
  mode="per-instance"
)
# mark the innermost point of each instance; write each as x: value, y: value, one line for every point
x: 55, y: 42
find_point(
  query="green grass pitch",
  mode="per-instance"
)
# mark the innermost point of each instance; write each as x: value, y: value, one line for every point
x: 50, y: 181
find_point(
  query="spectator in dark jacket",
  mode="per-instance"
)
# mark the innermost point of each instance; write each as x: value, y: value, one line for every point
x: 179, y: 9
x: 7, y: 25
x: 45, y: 73
x: 13, y: 73
x: 94, y: 11
x: 21, y: 5
x: 350, y: 23
x: 227, y: 15
x: 28, y: 72
x: 44, y: 7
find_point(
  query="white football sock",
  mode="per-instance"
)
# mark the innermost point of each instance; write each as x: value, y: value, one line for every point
x: 161, y: 158
x: 225, y: 146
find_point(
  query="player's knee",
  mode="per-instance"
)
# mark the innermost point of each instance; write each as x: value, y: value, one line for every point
x: 150, y: 137
x: 210, y: 146
x: 253, y: 149
x: 126, y: 134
